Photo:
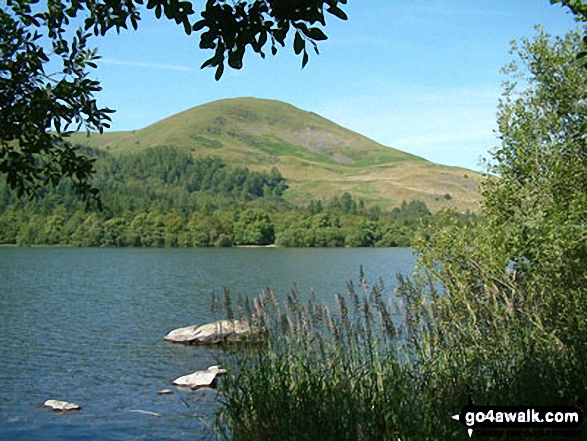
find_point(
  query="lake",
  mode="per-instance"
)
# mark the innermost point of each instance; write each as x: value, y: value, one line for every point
x: 87, y: 325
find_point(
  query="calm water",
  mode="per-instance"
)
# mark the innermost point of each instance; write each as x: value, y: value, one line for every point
x: 87, y: 326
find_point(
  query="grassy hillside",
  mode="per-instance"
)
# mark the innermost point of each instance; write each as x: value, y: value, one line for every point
x: 319, y: 158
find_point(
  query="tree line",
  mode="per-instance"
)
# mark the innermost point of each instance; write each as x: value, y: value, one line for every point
x: 164, y: 197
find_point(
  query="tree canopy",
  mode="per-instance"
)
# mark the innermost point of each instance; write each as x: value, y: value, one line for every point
x: 46, y: 90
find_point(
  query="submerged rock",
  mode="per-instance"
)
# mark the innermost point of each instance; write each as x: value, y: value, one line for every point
x: 146, y: 412
x: 213, y: 333
x: 200, y: 379
x: 61, y: 406
x: 165, y: 392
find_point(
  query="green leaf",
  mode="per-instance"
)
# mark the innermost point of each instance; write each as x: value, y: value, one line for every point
x: 235, y: 59
x: 186, y: 26
x: 207, y: 40
x: 316, y: 34
x: 199, y: 25
x: 219, y: 72
x: 299, y: 44
x: 209, y: 62
x: 262, y: 39
x: 334, y: 10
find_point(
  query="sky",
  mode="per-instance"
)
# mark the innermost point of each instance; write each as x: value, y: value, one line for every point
x: 420, y: 76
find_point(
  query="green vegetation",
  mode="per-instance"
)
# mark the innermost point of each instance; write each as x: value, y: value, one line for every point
x: 183, y: 182
x: 497, y: 307
x: 319, y: 158
x: 323, y: 375
x: 164, y: 197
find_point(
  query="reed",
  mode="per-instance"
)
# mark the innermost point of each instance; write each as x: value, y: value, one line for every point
x: 387, y: 366
x: 322, y: 374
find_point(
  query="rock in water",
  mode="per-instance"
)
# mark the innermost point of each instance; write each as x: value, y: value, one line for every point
x: 196, y: 380
x: 61, y: 406
x: 216, y: 332
x: 200, y: 378
x: 146, y: 412
x: 165, y: 392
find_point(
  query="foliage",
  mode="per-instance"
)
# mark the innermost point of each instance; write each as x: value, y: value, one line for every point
x: 579, y: 8
x: 540, y: 202
x: 319, y: 230
x: 230, y: 28
x: 322, y: 375
x: 253, y: 227
x: 38, y: 107
x: 164, y: 197
x: 32, y: 102
x: 511, y: 317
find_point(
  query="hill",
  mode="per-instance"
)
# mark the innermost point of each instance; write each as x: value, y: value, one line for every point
x: 319, y: 158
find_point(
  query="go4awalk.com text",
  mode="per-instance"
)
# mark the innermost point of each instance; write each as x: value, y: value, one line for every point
x: 525, y: 421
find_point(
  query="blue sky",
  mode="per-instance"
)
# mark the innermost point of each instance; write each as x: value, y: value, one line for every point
x: 421, y: 76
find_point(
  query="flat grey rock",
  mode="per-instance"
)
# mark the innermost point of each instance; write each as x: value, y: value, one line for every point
x: 213, y: 333
x: 200, y: 378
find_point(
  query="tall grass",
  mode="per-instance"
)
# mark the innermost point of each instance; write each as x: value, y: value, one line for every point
x: 347, y: 374
x: 389, y: 367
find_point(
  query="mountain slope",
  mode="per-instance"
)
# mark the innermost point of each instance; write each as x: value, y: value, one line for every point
x: 319, y: 158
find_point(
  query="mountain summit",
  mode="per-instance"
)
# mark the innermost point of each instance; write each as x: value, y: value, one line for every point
x: 319, y: 158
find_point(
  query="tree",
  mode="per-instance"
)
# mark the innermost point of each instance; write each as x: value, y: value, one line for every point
x: 512, y: 312
x: 32, y: 103
x: 38, y: 108
x: 253, y: 227
x: 539, y: 202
